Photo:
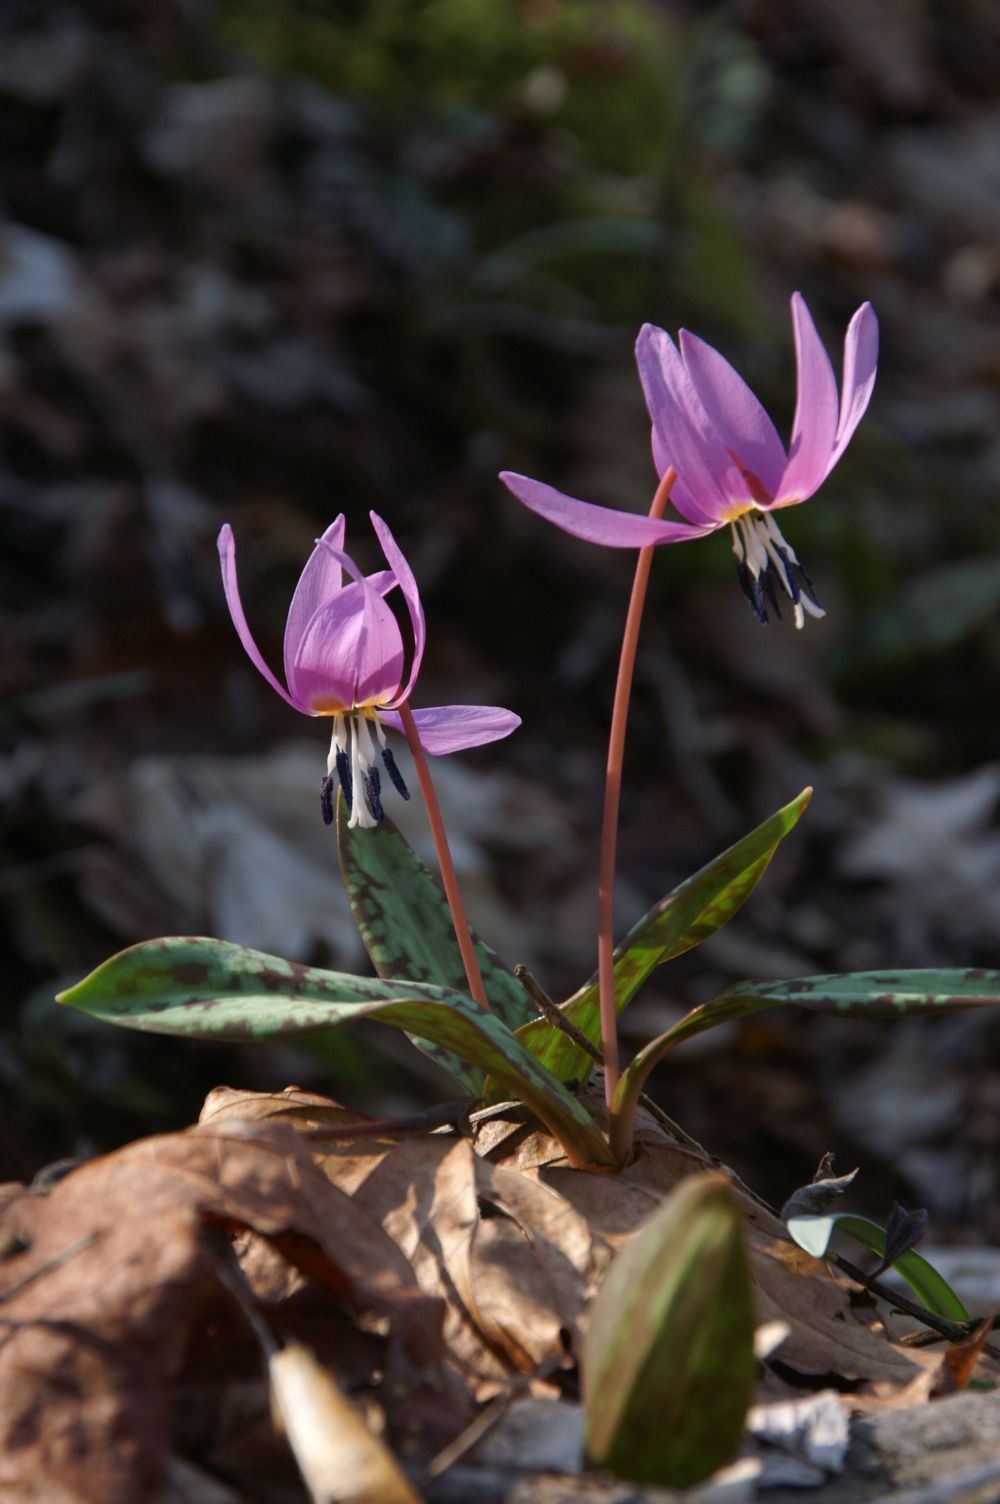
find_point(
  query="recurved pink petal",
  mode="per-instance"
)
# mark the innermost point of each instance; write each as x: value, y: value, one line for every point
x: 318, y: 583
x: 860, y: 363
x: 735, y: 414
x: 227, y: 557
x: 411, y: 594
x: 684, y: 434
x: 452, y: 728
x: 602, y: 525
x: 814, y: 428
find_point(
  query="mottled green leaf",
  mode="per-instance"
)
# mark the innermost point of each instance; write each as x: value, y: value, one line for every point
x: 814, y: 1234
x: 404, y: 920
x: 209, y: 989
x: 687, y: 916
x: 866, y: 994
x: 668, y: 1362
x: 859, y: 994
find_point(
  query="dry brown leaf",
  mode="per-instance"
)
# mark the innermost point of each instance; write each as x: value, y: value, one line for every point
x: 533, y: 1265
x: 828, y: 1335
x: 424, y: 1195
x: 521, y: 1287
x: 346, y: 1162
x: 945, y: 1373
x: 97, y: 1340
x: 960, y: 1359
x: 303, y: 1109
x: 558, y: 1232
x: 512, y: 1297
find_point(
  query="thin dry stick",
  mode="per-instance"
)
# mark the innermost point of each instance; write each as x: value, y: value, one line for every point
x: 554, y: 1015
x: 953, y: 1331
x: 612, y: 799
x: 447, y: 866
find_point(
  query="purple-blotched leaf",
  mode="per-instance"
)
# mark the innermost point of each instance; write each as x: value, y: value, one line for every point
x: 403, y: 917
x: 859, y: 994
x: 209, y: 989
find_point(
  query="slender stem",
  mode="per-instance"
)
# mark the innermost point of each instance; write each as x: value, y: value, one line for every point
x: 612, y: 799
x: 447, y: 866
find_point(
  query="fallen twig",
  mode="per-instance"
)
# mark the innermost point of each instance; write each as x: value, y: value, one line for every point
x: 554, y: 1015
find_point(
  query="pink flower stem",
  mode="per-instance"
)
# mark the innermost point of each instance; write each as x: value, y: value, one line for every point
x: 445, y: 863
x: 612, y: 799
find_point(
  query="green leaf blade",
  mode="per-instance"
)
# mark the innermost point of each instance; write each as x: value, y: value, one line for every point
x: 813, y: 1233
x: 195, y: 987
x: 403, y: 918
x: 868, y: 994
x: 930, y: 1286
x: 668, y: 1361
x: 687, y: 916
x: 862, y: 994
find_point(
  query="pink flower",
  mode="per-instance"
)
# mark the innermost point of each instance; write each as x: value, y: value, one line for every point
x: 732, y: 467
x: 344, y: 658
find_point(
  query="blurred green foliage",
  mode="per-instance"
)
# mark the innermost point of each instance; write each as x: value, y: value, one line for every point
x: 568, y: 137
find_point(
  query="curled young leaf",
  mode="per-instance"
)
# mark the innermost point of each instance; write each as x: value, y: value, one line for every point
x: 668, y: 1360
x: 903, y: 1231
x: 822, y: 1192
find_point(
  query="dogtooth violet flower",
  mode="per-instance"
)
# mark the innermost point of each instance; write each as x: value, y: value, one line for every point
x: 733, y: 470
x: 344, y: 658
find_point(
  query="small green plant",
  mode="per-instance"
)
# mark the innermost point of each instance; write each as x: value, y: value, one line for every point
x: 682, y: 1284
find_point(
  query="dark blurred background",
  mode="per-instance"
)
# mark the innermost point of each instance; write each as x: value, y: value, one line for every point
x: 265, y: 260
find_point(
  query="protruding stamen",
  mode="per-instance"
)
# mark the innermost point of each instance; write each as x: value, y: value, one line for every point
x: 794, y: 589
x: 359, y: 808
x: 395, y: 776
x: 765, y: 563
x: 344, y: 775
x: 366, y: 746
x: 756, y: 552
x: 806, y: 581
x: 373, y: 794
x: 336, y: 766
x: 338, y: 742
x: 751, y: 589
x: 352, y: 763
x: 768, y: 580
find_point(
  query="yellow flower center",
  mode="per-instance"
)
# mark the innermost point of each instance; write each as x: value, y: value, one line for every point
x: 330, y: 705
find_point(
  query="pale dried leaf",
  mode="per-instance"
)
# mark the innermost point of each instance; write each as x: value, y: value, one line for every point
x: 341, y: 1460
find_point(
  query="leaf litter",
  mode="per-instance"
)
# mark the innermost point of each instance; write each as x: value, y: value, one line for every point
x: 416, y: 1276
